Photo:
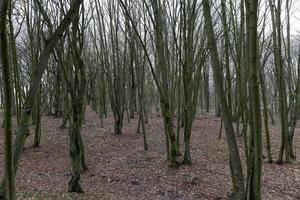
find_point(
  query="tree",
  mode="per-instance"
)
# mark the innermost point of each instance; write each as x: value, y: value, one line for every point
x: 22, y: 128
x: 113, y: 58
x: 6, y: 73
x: 226, y: 54
x: 77, y: 88
x: 280, y: 77
x: 191, y: 72
x: 17, y: 97
x: 33, y: 26
x: 234, y: 156
x: 255, y: 147
x: 162, y: 73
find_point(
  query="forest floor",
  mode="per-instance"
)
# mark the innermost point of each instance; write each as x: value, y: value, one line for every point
x: 119, y: 168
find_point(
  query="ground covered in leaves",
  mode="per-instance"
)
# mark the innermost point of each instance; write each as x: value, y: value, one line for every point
x: 119, y: 168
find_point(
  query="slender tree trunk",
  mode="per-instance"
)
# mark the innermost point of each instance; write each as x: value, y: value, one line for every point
x: 226, y: 54
x: 16, y: 71
x: 57, y: 96
x: 206, y: 87
x: 294, y: 111
x: 266, y: 116
x: 280, y: 74
x: 234, y: 156
x: 254, y: 177
x: 37, y: 132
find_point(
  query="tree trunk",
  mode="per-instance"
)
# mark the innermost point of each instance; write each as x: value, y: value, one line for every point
x: 234, y: 156
x: 255, y: 157
x: 6, y: 74
x: 74, y: 185
x: 37, y: 132
x: 280, y: 74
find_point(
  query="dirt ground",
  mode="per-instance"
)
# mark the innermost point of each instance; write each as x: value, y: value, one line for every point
x: 120, y: 169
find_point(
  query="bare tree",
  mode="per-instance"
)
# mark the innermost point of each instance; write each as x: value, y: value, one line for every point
x: 22, y: 129
x: 6, y: 73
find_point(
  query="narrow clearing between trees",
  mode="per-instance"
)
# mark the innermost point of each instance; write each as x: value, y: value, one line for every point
x: 119, y: 168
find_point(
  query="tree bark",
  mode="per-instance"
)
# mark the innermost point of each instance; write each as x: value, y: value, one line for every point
x: 6, y: 74
x: 254, y: 177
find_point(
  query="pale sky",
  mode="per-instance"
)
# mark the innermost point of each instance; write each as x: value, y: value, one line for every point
x: 295, y: 17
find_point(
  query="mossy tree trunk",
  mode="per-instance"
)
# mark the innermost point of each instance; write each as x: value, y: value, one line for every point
x: 255, y: 144
x: 6, y: 74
